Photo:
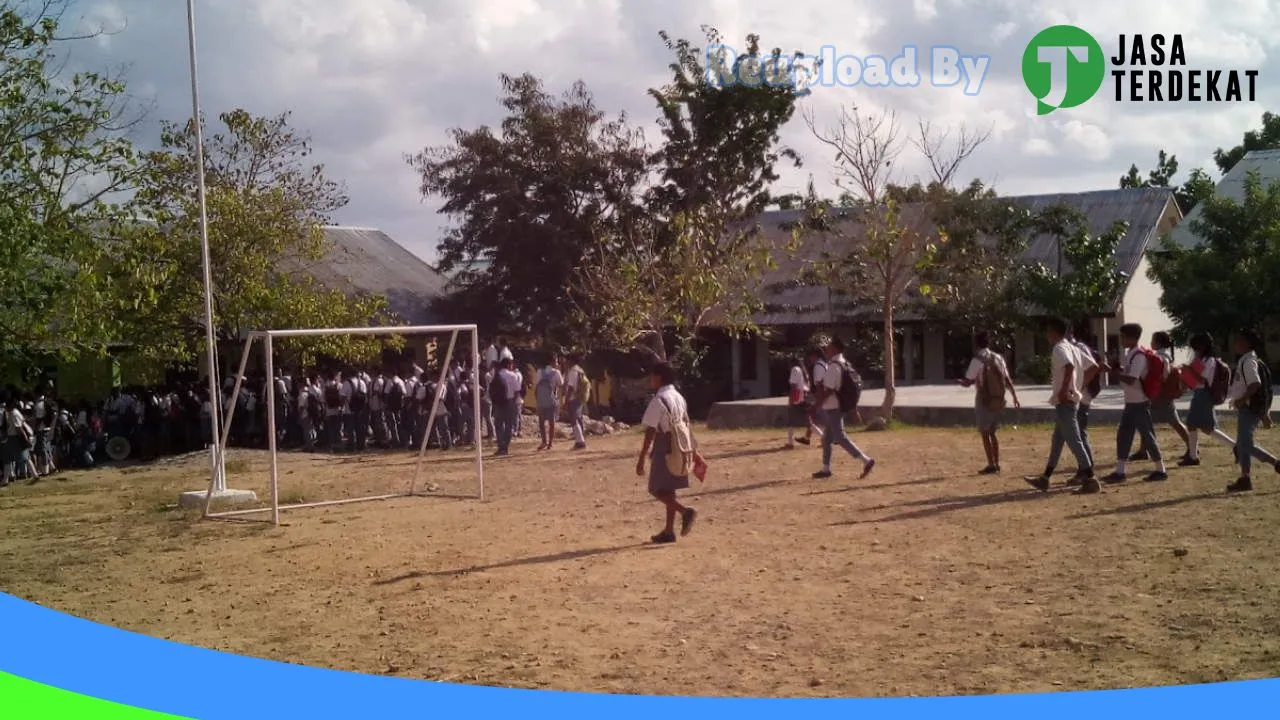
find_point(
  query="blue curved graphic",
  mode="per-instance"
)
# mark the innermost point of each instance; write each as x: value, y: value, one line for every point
x: 100, y: 662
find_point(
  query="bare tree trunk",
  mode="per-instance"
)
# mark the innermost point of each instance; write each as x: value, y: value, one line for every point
x: 890, y: 363
x: 656, y: 347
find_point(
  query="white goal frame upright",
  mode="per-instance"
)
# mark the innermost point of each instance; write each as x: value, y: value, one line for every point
x: 267, y: 336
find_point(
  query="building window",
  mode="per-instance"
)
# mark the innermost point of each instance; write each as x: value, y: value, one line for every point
x: 748, y: 358
x: 915, y: 349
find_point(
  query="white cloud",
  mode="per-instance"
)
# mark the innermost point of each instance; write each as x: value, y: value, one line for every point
x: 373, y: 80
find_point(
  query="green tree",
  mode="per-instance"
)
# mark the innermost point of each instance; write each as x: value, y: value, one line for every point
x: 64, y: 157
x: 1226, y: 281
x: 690, y: 253
x: 1084, y: 280
x: 888, y: 241
x: 976, y: 279
x: 529, y: 200
x: 1265, y: 138
x: 267, y: 205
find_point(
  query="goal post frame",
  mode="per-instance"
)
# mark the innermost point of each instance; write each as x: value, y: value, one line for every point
x: 266, y: 337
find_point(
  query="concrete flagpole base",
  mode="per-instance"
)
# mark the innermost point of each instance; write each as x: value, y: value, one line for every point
x: 195, y: 498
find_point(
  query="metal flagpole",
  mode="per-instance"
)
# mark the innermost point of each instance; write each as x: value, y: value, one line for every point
x: 215, y: 397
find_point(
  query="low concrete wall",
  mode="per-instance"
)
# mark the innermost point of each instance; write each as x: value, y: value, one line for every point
x: 772, y: 413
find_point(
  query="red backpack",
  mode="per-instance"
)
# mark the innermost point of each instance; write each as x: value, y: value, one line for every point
x: 1153, y: 382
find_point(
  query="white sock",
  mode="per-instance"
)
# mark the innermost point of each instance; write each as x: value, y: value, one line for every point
x: 1160, y: 466
x: 791, y: 436
x: 1120, y: 466
x: 1193, y: 444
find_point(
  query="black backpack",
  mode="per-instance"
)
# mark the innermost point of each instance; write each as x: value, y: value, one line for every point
x: 498, y: 394
x: 395, y: 396
x: 1260, y: 403
x: 850, y: 390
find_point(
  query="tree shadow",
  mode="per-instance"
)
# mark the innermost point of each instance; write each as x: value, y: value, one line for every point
x: 1156, y: 505
x: 880, y: 486
x: 735, y: 489
x: 519, y: 562
x: 944, y: 505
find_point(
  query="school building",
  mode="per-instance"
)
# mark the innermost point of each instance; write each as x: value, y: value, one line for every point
x: 927, y: 352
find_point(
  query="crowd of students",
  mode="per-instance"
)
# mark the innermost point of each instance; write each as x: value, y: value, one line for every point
x: 351, y: 409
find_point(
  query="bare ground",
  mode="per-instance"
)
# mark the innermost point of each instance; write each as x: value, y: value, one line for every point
x: 922, y: 580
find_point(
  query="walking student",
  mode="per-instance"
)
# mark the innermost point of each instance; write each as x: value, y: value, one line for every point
x: 837, y: 396
x: 1163, y: 409
x: 666, y: 424
x: 1070, y: 369
x: 1141, y: 375
x: 799, y: 405
x: 502, y: 392
x: 547, y: 392
x: 1250, y: 395
x: 989, y: 375
x: 577, y: 393
x: 1090, y: 389
x: 1210, y: 381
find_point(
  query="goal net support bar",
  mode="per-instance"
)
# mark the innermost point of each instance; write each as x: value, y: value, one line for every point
x: 266, y: 337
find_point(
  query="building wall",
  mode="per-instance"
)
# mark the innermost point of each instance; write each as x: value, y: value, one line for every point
x: 1142, y: 306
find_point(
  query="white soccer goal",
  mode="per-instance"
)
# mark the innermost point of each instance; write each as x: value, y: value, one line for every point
x: 265, y: 339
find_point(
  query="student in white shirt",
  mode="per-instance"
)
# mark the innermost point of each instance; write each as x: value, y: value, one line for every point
x: 576, y: 406
x: 1201, y: 376
x: 988, y: 374
x: 1164, y: 411
x: 1136, y: 416
x: 550, y: 383
x: 396, y: 403
x: 1070, y: 369
x: 665, y: 410
x: 377, y: 418
x: 800, y: 401
x: 828, y: 400
x: 505, y: 410
x: 1251, y: 401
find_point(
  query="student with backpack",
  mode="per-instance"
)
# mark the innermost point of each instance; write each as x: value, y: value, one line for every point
x: 989, y: 375
x: 1163, y: 409
x: 670, y: 447
x: 393, y: 401
x: 577, y: 393
x: 838, y: 396
x: 1142, y: 373
x: 1210, y: 380
x: 1071, y: 369
x: 1251, y: 396
x: 800, y: 404
x: 547, y: 391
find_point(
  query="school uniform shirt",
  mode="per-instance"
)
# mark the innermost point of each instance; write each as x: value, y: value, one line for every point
x: 572, y: 379
x: 975, y: 372
x: 12, y: 421
x: 797, y: 382
x: 282, y: 386
x: 513, y: 382
x: 1246, y: 375
x: 490, y: 355
x: 376, y: 388
x: 206, y: 409
x: 505, y: 354
x: 40, y: 410
x: 548, y: 389
x: 1207, y: 370
x: 1066, y: 353
x: 1134, y: 365
x: 832, y: 375
x: 665, y: 403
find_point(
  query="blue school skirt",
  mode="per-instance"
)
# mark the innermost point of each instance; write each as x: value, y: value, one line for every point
x: 1201, y: 415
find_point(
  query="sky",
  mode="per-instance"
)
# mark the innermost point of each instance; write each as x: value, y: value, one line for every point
x: 372, y: 80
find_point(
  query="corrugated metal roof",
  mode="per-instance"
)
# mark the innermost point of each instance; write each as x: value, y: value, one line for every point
x: 789, y: 302
x: 1264, y: 162
x: 368, y: 260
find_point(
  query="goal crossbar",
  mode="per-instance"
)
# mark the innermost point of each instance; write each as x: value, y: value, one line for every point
x: 267, y: 336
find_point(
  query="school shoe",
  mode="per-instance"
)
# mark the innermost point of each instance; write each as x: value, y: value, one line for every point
x: 1115, y: 478
x: 990, y: 470
x: 1089, y: 486
x: 663, y: 538
x: 1039, y: 482
x: 803, y: 440
x: 1188, y: 461
x: 687, y: 519
x: 580, y: 446
x: 1244, y: 484
x: 1157, y: 476
x: 822, y: 475
x: 1080, y: 477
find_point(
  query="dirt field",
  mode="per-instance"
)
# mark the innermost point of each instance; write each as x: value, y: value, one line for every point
x: 922, y: 580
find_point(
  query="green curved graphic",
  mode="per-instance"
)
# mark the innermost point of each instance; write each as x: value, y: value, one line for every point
x: 23, y: 699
